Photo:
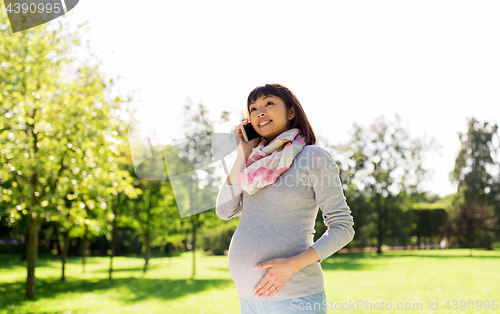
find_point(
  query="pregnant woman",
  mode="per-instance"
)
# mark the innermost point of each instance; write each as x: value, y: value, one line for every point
x: 280, y: 180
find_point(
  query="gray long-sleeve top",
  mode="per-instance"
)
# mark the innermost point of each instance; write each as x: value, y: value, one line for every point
x: 278, y: 221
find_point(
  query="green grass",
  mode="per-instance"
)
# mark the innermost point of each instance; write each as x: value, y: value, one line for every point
x: 407, y: 277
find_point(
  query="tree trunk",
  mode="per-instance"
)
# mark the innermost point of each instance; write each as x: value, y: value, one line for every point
x: 380, y: 236
x: 379, y: 209
x: 168, y: 251
x: 489, y: 242
x: 24, y: 253
x: 31, y: 256
x: 194, y: 224
x: 58, y: 246
x: 64, y: 253
x: 84, y: 245
x: 147, y: 250
x: 115, y: 208
x: 113, y: 248
x: 193, y: 244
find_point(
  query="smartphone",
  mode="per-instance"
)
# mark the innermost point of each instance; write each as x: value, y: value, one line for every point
x: 248, y: 132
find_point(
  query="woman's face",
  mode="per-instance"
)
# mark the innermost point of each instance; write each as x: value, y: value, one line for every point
x: 270, y: 108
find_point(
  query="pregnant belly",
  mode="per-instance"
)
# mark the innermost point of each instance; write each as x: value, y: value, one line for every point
x: 250, y: 247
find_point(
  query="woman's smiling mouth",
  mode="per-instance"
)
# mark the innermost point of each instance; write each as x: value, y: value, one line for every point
x: 265, y: 123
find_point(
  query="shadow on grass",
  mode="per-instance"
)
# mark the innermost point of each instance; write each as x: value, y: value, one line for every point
x: 9, y: 261
x: 133, y: 269
x: 442, y: 253
x: 354, y: 261
x: 345, y: 261
x: 140, y: 288
x: 219, y: 268
x: 441, y: 256
x: 137, y: 289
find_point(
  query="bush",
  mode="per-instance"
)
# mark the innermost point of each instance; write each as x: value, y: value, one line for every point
x: 218, y: 239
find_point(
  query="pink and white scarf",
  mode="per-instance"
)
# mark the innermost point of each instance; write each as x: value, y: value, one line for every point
x: 266, y: 163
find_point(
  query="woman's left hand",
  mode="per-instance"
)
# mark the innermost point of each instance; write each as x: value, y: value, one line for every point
x: 279, y: 272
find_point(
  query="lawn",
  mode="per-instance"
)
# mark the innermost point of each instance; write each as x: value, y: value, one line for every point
x: 411, y: 279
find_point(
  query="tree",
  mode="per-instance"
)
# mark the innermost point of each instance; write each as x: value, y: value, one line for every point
x: 474, y: 162
x: 474, y: 225
x: 120, y: 204
x: 196, y: 152
x: 58, y: 134
x: 431, y: 222
x: 154, y: 216
x: 384, y: 171
x: 478, y: 184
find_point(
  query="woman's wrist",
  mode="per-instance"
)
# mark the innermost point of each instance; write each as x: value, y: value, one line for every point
x: 244, y: 152
x: 304, y: 259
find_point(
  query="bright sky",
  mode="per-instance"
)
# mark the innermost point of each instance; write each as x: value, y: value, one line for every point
x: 435, y: 63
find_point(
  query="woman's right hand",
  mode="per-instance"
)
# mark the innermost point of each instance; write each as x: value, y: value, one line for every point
x: 247, y: 147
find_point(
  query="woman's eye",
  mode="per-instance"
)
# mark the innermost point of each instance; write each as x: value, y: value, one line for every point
x: 266, y: 105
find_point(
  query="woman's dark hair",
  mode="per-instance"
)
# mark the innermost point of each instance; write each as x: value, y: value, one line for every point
x: 300, y: 120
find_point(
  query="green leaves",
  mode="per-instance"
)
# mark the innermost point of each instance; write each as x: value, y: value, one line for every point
x: 58, y: 137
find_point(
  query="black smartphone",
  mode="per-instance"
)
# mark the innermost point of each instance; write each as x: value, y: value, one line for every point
x: 248, y: 132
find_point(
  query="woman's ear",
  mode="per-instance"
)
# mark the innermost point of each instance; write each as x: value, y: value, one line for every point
x: 291, y: 113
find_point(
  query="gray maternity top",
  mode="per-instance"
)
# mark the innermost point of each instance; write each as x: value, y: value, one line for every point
x: 278, y: 221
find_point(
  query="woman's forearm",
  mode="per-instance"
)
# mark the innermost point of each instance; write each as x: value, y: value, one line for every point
x: 305, y: 258
x: 240, y: 164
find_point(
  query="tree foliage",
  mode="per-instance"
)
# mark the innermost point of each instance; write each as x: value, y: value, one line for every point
x: 383, y: 174
x: 59, y: 139
x: 476, y: 171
